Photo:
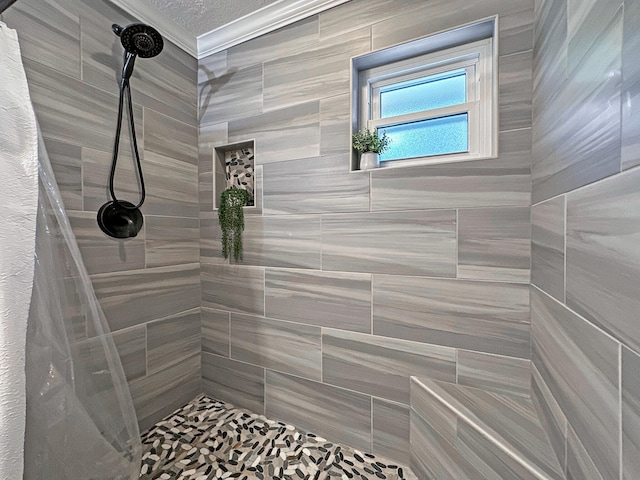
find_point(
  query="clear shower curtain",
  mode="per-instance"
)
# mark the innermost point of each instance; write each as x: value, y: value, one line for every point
x: 80, y: 420
x: 80, y: 423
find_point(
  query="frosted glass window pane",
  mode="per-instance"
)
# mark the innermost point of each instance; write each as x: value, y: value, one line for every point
x: 437, y: 136
x: 436, y: 91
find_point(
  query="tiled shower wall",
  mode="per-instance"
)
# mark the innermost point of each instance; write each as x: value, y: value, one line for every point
x: 585, y: 296
x: 149, y: 287
x: 352, y: 282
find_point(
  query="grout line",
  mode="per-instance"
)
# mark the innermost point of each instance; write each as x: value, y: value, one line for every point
x: 530, y: 248
x: 564, y: 253
x: 457, y: 351
x: 322, y: 354
x: 81, y: 45
x: 457, y: 243
x: 361, y: 273
x: 321, y: 242
x: 620, y: 453
x: 370, y: 190
x: 622, y: 11
x: 371, y: 302
x: 612, y: 177
x: 264, y: 292
x: 566, y: 442
x: 264, y: 391
x: 371, y: 427
x: 146, y: 349
x: 488, y: 354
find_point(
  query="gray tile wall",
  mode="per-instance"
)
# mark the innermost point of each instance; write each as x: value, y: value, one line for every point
x: 435, y: 257
x: 336, y: 257
x: 353, y: 263
x: 352, y: 282
x: 585, y: 233
x: 149, y: 287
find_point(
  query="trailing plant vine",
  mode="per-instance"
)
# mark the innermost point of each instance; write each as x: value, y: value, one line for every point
x: 231, y: 218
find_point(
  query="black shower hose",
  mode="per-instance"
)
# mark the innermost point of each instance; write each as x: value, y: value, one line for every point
x: 124, y: 87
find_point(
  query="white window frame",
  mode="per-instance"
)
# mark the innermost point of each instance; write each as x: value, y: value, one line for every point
x: 471, y: 47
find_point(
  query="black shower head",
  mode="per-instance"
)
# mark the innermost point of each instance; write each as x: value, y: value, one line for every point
x: 139, y: 39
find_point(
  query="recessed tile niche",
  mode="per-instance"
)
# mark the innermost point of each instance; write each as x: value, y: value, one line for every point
x: 233, y: 166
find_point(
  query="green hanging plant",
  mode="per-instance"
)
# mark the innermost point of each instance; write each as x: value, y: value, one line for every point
x: 231, y: 218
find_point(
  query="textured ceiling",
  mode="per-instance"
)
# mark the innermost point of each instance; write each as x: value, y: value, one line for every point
x: 202, y: 16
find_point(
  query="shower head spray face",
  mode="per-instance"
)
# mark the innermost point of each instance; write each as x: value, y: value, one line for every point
x: 140, y: 39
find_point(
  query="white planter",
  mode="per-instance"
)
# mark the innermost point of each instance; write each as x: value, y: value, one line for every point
x: 369, y: 160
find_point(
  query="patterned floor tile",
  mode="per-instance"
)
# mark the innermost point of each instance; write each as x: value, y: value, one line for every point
x: 211, y: 440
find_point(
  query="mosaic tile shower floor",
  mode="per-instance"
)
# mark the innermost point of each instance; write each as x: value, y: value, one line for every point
x: 210, y: 440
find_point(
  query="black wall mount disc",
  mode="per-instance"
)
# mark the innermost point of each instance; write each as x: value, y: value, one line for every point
x: 120, y: 219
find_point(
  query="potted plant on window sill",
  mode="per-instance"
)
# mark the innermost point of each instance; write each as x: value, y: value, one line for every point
x: 231, y: 219
x: 369, y: 144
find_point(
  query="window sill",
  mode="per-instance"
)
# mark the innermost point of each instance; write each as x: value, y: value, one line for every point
x: 421, y: 161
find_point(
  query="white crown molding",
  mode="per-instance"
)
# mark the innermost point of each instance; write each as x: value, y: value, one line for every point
x: 264, y: 20
x: 169, y: 29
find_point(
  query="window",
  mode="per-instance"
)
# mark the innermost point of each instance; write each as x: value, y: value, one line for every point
x: 437, y: 105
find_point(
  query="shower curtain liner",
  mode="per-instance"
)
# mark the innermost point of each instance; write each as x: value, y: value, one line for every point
x: 80, y: 420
